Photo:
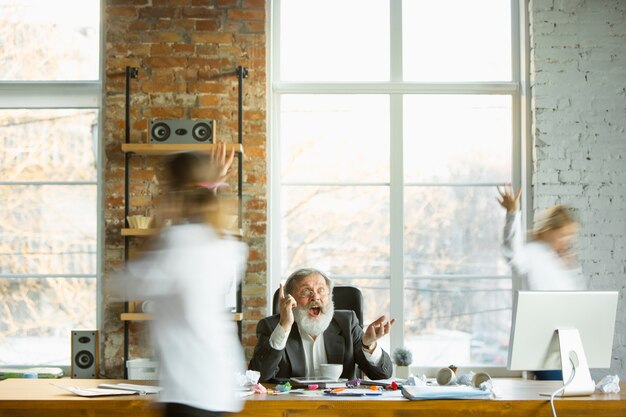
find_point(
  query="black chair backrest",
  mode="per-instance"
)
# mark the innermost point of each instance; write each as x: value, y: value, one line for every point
x: 346, y: 297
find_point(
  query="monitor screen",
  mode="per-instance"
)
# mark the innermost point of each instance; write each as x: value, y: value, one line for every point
x: 534, y: 343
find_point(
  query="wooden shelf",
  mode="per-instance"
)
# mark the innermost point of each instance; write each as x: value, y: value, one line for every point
x: 147, y: 317
x: 136, y: 316
x: 139, y: 232
x: 168, y: 148
x: 150, y: 232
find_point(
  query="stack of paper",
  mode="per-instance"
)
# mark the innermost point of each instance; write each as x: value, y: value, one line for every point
x: 442, y: 392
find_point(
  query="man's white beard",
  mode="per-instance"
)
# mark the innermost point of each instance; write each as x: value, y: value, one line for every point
x: 314, y: 326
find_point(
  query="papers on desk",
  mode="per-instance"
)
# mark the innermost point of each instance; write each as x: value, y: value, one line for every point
x: 94, y: 392
x: 111, y: 389
x: 140, y: 389
x: 443, y: 392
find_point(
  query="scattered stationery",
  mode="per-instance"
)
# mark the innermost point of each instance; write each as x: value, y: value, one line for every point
x: 353, y: 392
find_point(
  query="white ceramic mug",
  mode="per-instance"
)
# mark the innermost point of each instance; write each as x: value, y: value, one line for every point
x: 479, y: 378
x: 446, y: 376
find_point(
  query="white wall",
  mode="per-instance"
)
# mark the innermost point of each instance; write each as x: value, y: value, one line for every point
x: 578, y: 85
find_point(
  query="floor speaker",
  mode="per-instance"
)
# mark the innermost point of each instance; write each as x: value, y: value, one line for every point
x: 182, y: 131
x: 84, y: 354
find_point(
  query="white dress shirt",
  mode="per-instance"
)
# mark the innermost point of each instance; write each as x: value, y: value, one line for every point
x: 187, y: 277
x: 314, y: 350
x: 540, y: 267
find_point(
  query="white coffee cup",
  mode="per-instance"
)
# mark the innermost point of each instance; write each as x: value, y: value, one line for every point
x: 446, y: 376
x: 331, y: 370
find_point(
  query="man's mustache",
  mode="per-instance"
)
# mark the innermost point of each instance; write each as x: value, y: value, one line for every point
x: 322, y: 306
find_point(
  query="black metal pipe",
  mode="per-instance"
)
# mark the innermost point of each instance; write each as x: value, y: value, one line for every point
x: 242, y: 72
x: 131, y: 72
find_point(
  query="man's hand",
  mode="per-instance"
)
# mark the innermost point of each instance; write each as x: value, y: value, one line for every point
x: 375, y: 331
x: 287, y: 304
x: 509, y: 201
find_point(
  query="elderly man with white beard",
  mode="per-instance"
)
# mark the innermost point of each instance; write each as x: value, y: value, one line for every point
x: 289, y: 343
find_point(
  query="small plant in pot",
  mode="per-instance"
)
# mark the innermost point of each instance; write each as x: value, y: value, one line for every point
x: 402, y: 357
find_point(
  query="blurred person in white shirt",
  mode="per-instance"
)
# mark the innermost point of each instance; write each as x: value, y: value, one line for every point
x: 187, y: 274
x: 547, y: 260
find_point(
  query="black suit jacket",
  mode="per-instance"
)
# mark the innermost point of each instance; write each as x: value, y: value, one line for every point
x: 342, y: 340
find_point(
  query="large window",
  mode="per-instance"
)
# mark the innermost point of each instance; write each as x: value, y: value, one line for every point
x: 393, y: 122
x: 50, y: 88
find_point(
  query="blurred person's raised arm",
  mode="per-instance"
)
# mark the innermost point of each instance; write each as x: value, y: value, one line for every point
x: 512, y: 240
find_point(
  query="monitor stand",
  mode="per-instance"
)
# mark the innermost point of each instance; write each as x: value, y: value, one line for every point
x: 574, y: 361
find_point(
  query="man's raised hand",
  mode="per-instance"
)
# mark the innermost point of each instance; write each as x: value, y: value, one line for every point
x: 376, y: 330
x: 287, y: 303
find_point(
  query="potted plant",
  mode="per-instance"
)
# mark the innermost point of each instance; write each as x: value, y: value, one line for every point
x: 402, y: 357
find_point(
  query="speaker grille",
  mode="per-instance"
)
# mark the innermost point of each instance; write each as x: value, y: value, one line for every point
x: 182, y: 131
x: 84, y: 354
x: 160, y: 132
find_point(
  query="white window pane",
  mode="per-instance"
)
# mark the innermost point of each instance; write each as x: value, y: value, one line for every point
x: 330, y: 40
x: 457, y: 138
x: 48, y: 145
x: 38, y: 316
x: 456, y: 40
x: 49, y: 40
x: 341, y: 230
x: 453, y: 230
x: 48, y: 229
x: 329, y: 138
x: 457, y: 322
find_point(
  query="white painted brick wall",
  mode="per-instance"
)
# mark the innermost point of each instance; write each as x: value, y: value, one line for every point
x: 578, y: 85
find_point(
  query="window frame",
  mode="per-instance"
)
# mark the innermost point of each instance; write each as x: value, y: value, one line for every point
x: 66, y: 94
x: 395, y: 88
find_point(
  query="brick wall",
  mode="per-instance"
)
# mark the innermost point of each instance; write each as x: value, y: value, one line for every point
x: 578, y: 82
x: 186, y: 52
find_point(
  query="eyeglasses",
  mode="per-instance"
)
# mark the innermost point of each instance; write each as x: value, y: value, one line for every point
x: 308, y: 293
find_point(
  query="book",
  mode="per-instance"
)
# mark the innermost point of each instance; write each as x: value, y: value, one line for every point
x: 41, y: 372
x: 321, y: 382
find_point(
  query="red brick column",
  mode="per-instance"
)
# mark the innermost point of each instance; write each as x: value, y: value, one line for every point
x: 186, y: 52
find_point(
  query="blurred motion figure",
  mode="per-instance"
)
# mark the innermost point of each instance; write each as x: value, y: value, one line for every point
x: 547, y: 260
x: 187, y: 274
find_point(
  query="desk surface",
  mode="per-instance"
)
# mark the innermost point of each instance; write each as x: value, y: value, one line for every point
x: 516, y: 397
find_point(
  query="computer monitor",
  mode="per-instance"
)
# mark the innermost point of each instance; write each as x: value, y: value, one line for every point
x: 568, y: 330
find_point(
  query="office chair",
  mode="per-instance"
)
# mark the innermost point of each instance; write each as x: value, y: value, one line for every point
x: 345, y: 297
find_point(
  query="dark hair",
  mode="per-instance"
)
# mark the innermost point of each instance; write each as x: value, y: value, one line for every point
x: 295, y: 277
x: 186, y: 171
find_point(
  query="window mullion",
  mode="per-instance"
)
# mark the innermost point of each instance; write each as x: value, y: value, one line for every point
x: 51, y: 95
x: 396, y: 192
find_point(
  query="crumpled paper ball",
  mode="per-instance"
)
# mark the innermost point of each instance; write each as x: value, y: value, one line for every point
x: 609, y: 384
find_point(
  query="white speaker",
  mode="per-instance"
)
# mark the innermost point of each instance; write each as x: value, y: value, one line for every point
x: 182, y: 131
x: 84, y: 354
